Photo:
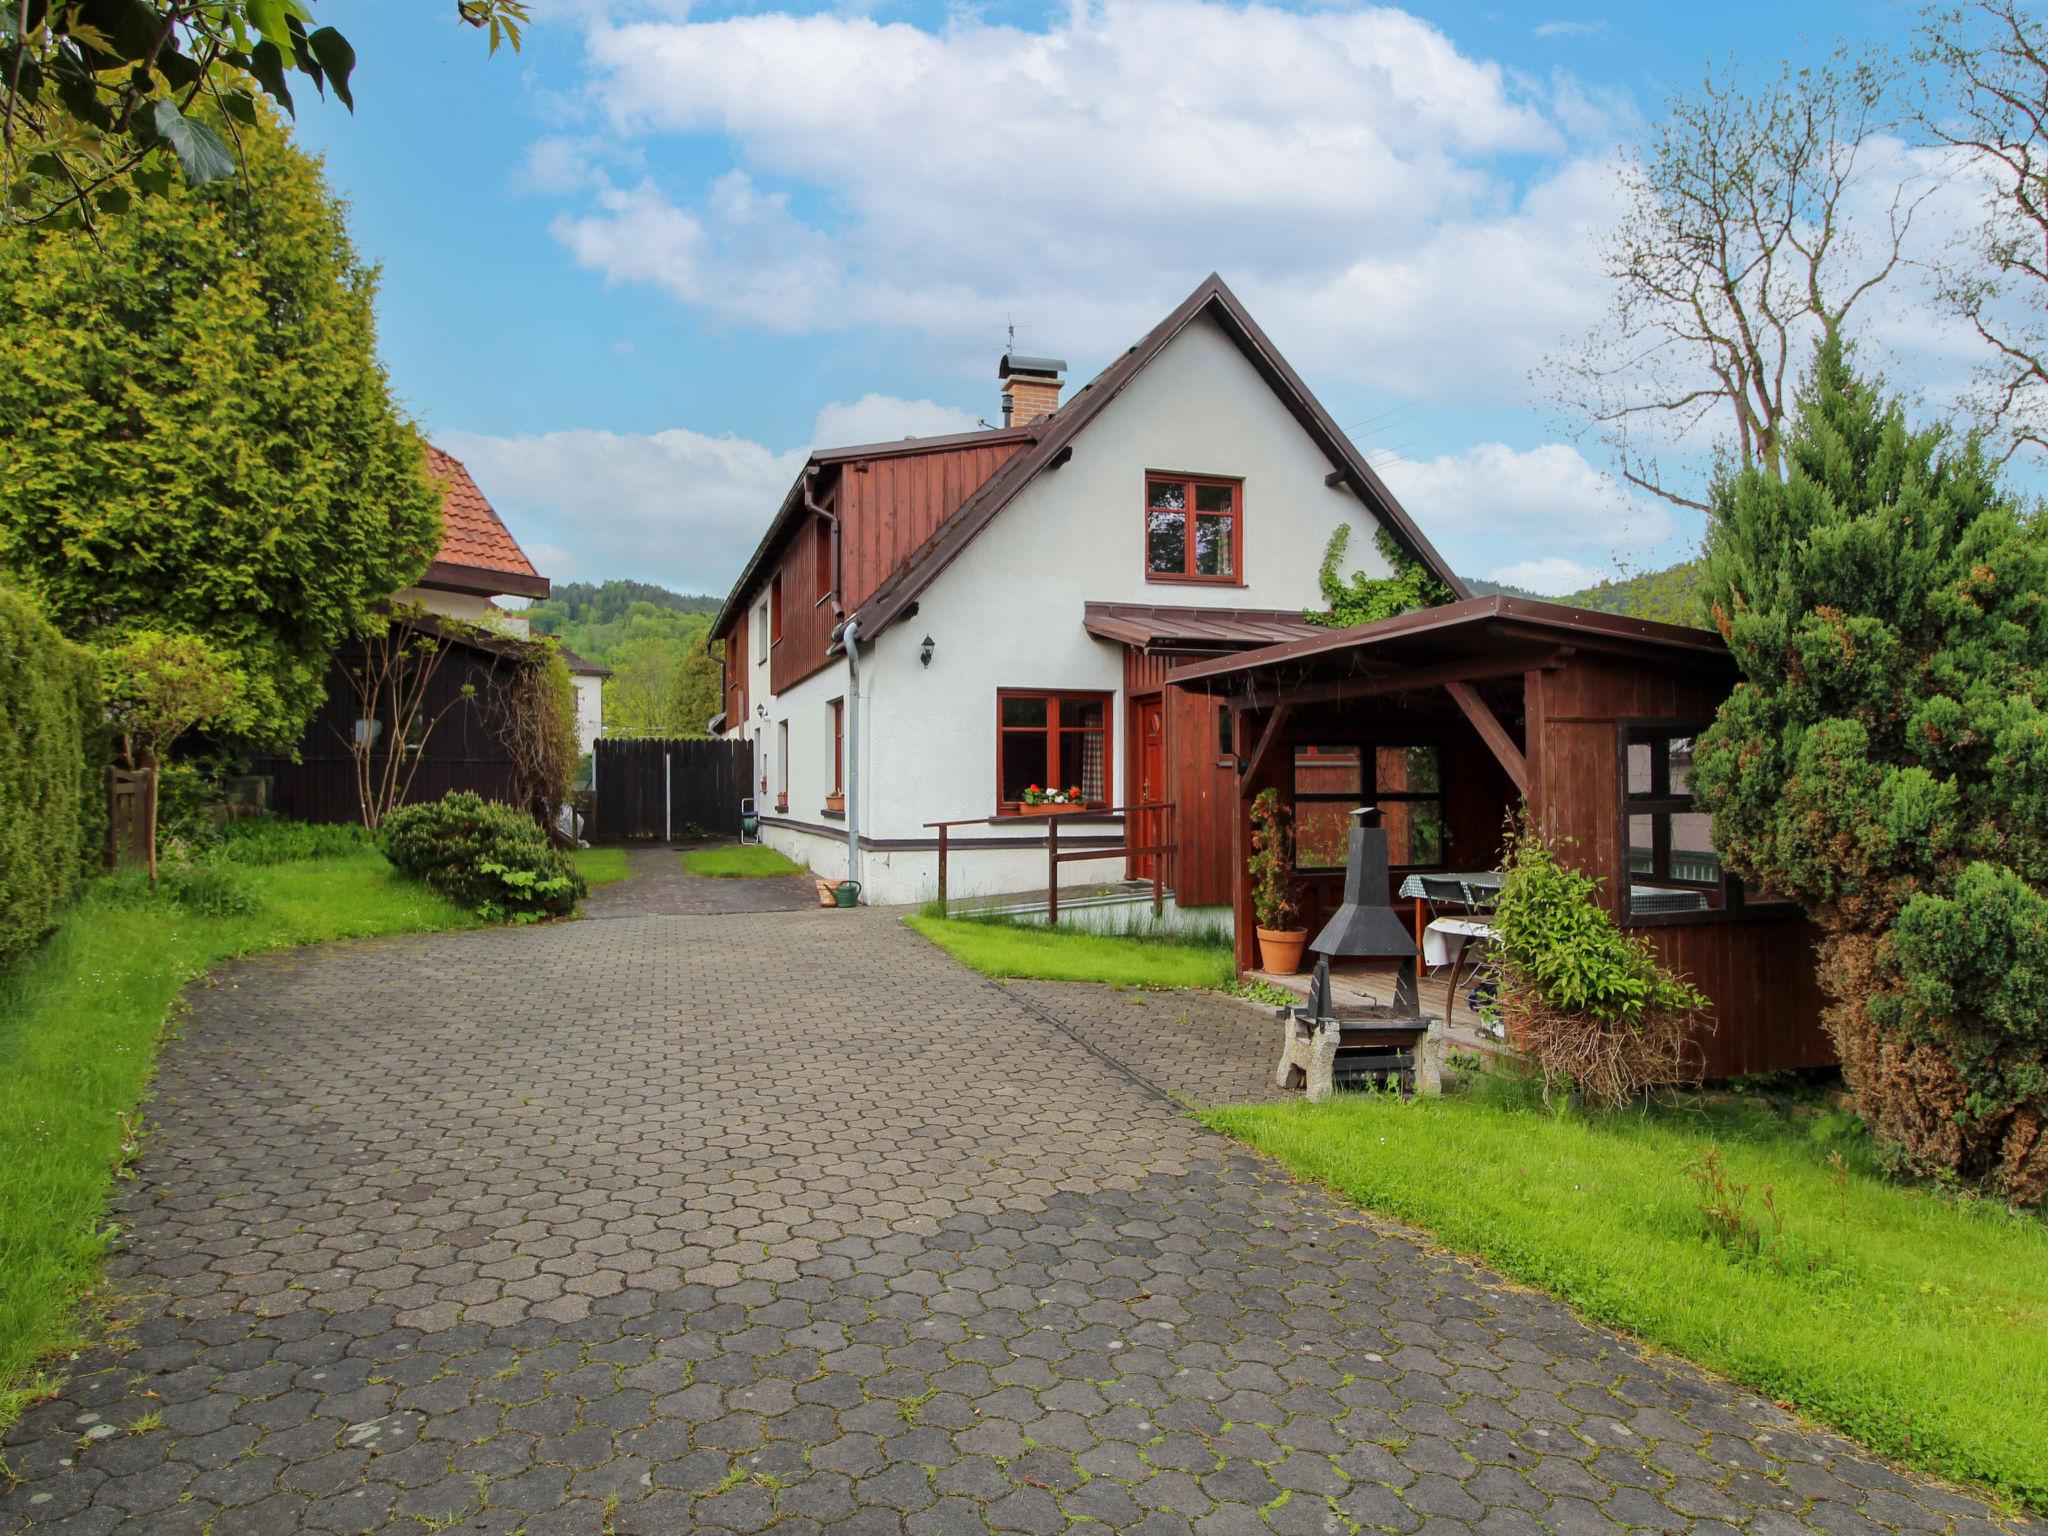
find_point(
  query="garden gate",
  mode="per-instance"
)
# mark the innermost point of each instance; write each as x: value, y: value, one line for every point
x: 668, y: 790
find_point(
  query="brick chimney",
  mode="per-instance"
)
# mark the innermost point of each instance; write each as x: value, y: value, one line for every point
x: 1031, y: 387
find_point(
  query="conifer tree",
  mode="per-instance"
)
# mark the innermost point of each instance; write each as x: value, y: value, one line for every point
x: 1885, y: 762
x: 197, y: 433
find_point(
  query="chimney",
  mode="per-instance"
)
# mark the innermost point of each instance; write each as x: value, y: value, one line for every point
x: 1031, y: 387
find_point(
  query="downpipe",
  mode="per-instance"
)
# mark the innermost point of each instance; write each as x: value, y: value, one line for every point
x: 849, y: 636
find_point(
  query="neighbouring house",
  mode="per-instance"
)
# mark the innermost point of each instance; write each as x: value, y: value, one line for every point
x: 932, y: 628
x: 478, y: 563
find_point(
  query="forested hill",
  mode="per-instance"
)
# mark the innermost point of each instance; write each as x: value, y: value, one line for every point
x: 1670, y: 596
x: 595, y: 603
x: 664, y: 682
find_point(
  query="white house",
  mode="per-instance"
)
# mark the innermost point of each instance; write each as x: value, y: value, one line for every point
x: 931, y: 629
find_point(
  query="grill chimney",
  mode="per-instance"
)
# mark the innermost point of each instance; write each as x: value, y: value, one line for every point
x: 1366, y: 926
x: 1031, y: 387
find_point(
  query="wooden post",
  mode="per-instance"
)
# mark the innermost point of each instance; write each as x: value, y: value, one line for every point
x: 1161, y: 820
x: 942, y: 869
x: 1052, y: 870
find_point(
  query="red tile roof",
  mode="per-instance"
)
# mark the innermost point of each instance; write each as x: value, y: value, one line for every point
x: 472, y: 537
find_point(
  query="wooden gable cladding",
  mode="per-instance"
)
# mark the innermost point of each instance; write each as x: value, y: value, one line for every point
x: 888, y: 507
x: 807, y: 620
x: 736, y: 666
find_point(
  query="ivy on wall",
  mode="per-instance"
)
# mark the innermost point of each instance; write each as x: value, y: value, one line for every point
x: 1363, y: 599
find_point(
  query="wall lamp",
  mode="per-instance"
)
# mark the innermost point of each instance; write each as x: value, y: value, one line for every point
x: 924, y: 651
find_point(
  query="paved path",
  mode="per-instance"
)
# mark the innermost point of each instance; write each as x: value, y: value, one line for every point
x: 659, y: 886
x: 723, y: 1223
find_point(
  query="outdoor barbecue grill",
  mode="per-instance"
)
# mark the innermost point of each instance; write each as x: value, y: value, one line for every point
x: 1375, y: 1043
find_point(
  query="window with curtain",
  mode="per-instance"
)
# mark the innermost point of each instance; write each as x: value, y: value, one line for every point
x: 1052, y: 741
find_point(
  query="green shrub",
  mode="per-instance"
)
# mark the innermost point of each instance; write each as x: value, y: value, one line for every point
x: 274, y: 840
x: 1587, y: 1003
x: 51, y: 810
x: 488, y: 857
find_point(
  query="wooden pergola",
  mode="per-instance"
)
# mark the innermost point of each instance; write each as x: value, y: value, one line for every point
x: 1535, y: 704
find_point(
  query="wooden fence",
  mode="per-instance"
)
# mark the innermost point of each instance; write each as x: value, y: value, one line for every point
x: 669, y: 790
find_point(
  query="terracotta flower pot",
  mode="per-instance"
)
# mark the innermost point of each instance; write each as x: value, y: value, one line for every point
x: 825, y: 898
x: 1280, y: 949
x: 835, y: 802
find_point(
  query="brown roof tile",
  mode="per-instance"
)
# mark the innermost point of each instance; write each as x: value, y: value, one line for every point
x: 471, y: 534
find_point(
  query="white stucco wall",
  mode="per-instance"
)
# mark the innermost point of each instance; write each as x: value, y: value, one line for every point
x: 466, y: 606
x: 589, y: 709
x: 1007, y: 614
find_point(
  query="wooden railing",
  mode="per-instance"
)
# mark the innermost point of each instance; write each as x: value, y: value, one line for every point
x: 1160, y: 851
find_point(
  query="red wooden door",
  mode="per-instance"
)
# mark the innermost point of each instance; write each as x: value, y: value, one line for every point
x: 1147, y: 828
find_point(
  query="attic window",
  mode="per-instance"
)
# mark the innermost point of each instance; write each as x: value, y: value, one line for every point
x: 1194, y: 530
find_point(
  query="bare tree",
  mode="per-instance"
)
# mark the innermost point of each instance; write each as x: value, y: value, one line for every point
x: 1736, y: 247
x: 1993, y: 57
x: 390, y: 682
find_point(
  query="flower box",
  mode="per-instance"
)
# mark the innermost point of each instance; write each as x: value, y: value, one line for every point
x: 1050, y: 808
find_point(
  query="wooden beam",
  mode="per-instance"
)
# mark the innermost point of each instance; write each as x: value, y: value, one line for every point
x: 1493, y: 733
x: 1269, y: 739
x: 1412, y: 679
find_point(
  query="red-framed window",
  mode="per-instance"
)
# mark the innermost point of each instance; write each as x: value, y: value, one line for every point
x: 821, y: 552
x: 782, y: 765
x: 1052, y: 740
x: 775, y: 610
x: 838, y: 708
x: 1194, y: 529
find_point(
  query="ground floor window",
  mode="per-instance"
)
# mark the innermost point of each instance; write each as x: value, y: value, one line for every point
x: 838, y: 708
x: 1052, y: 741
x: 1673, y: 867
x: 1405, y: 780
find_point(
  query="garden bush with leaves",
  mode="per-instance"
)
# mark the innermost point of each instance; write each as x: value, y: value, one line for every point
x: 1885, y: 763
x: 489, y: 857
x: 1588, y: 1004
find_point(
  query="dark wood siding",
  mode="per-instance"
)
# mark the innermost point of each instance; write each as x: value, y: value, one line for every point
x: 807, y: 620
x: 465, y: 751
x: 1758, y: 971
x: 736, y: 669
x: 888, y: 507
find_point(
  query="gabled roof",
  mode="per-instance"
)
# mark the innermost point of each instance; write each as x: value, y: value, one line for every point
x: 1159, y: 628
x: 826, y: 458
x: 478, y: 553
x: 1054, y: 436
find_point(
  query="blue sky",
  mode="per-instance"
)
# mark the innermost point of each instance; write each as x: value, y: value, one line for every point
x: 633, y: 272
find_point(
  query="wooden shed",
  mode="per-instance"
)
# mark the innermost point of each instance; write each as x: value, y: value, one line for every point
x: 1449, y: 717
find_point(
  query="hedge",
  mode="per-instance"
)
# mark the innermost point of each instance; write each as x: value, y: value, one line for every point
x: 51, y: 811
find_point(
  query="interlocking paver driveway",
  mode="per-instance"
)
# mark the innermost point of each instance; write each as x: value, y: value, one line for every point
x: 724, y: 1223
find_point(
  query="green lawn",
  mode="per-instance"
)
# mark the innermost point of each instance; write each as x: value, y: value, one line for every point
x: 600, y: 866
x: 80, y: 1020
x: 1914, y: 1321
x: 749, y: 862
x: 1038, y: 954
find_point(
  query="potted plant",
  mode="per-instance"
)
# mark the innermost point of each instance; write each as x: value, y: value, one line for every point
x: 1050, y: 802
x: 836, y: 803
x: 1275, y: 900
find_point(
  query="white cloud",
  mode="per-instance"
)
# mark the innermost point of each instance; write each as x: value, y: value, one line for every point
x: 884, y: 418
x: 1553, y: 575
x: 1570, y: 28
x: 674, y: 507
x: 1358, y: 172
x: 1539, y: 505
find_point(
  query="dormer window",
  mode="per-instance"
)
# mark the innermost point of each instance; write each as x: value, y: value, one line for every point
x: 1194, y: 529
